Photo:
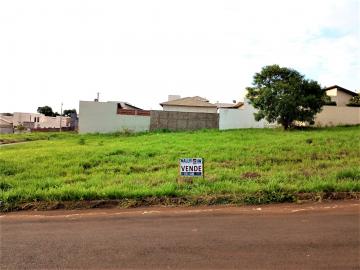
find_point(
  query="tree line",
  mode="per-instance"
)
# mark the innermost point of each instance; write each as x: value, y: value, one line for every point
x: 48, y: 111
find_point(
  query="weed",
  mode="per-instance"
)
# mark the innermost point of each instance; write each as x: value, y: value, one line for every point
x: 81, y: 141
x: 353, y: 174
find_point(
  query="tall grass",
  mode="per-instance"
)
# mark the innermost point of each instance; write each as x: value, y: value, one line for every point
x: 250, y: 165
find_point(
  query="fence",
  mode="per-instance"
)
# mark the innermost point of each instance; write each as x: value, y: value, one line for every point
x: 52, y: 129
x: 338, y: 115
x: 183, y: 120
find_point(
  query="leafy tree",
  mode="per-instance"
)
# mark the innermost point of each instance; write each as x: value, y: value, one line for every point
x: 354, y: 101
x: 283, y: 95
x: 69, y: 112
x: 47, y: 110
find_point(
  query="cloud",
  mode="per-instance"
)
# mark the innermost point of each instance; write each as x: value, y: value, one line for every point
x: 141, y: 51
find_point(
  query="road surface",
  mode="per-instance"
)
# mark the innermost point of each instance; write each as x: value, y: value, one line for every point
x: 285, y: 236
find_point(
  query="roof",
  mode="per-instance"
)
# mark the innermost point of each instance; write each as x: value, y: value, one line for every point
x: 190, y: 102
x: 341, y: 89
x: 6, y: 119
x: 229, y: 105
x: 125, y: 105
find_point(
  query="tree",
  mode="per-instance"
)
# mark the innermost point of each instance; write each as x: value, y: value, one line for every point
x: 284, y: 96
x: 354, y: 101
x: 69, y: 112
x: 47, y: 110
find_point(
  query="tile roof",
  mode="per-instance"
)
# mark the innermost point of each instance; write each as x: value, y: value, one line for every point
x: 341, y: 89
x: 229, y: 105
x: 189, y: 102
x: 6, y: 119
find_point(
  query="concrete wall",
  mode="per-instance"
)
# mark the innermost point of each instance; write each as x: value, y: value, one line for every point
x: 183, y: 120
x: 240, y: 118
x: 335, y: 115
x: 189, y: 109
x: 342, y: 98
x: 53, y: 122
x: 6, y: 129
x: 102, y: 117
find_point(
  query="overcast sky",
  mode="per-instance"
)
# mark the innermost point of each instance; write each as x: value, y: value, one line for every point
x: 142, y: 51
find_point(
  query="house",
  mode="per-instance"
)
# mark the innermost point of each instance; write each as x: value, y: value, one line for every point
x: 112, y: 116
x: 6, y: 124
x: 339, y: 114
x: 189, y: 104
x: 339, y: 95
x: 39, y: 121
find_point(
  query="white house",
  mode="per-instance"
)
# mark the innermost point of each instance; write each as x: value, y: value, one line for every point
x: 37, y: 120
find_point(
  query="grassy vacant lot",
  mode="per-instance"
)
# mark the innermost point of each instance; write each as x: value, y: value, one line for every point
x: 241, y: 166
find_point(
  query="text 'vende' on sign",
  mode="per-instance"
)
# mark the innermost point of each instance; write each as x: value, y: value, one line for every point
x: 191, y: 167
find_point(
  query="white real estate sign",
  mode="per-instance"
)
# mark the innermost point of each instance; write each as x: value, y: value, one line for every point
x: 191, y: 167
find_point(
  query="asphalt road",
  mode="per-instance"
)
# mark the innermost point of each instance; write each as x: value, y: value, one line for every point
x: 286, y: 236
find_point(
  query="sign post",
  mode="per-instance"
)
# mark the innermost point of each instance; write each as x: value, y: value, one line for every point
x: 192, y: 167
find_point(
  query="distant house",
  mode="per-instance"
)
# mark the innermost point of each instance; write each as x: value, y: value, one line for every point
x: 339, y: 95
x: 112, y: 116
x: 189, y: 104
x: 39, y: 121
x: 6, y: 124
x: 339, y: 114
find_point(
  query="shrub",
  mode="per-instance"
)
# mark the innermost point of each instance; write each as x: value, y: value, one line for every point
x: 354, y: 101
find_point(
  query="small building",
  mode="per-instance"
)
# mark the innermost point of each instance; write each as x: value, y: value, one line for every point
x: 340, y: 95
x: 189, y: 104
x: 40, y: 121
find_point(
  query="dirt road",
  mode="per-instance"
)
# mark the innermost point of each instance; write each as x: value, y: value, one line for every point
x: 286, y: 236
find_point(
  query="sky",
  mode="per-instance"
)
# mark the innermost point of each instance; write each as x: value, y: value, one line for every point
x: 142, y: 51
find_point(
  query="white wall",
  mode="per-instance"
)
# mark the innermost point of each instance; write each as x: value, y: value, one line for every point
x: 173, y: 108
x: 102, y: 117
x: 240, y: 118
x: 53, y: 122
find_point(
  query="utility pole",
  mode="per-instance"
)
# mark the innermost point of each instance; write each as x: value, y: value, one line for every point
x: 61, y: 116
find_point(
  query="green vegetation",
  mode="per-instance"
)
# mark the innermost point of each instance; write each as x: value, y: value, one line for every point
x: 241, y: 166
x: 283, y: 95
x: 25, y: 137
x: 354, y: 101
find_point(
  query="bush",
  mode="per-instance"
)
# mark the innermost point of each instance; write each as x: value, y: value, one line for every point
x: 354, y: 101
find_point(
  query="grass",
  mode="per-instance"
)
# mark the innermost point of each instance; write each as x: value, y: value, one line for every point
x: 241, y: 166
x: 26, y: 137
